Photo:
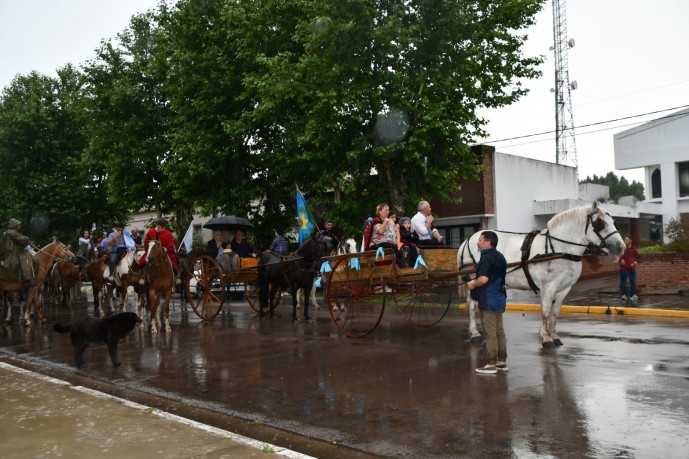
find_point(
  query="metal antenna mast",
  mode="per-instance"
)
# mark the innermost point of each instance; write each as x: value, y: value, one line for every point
x: 566, y: 147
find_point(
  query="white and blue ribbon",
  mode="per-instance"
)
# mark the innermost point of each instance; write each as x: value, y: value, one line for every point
x: 419, y: 261
x: 317, y: 283
x: 354, y: 264
x: 380, y: 252
x: 325, y: 267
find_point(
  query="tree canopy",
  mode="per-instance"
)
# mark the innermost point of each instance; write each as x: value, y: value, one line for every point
x: 226, y: 106
x: 619, y: 186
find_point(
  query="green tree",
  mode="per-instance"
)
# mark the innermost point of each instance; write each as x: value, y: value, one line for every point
x: 128, y: 112
x: 46, y: 182
x: 346, y: 88
x: 619, y: 187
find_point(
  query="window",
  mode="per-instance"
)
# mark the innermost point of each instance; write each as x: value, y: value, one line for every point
x: 455, y: 235
x: 683, y: 174
x: 656, y: 191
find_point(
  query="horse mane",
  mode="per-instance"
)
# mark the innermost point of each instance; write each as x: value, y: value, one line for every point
x: 577, y: 214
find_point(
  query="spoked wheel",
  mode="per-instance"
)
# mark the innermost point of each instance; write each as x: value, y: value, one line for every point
x: 423, y: 302
x: 205, y: 290
x: 356, y: 297
x: 251, y: 293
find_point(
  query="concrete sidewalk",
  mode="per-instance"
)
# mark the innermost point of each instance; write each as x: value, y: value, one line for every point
x: 41, y: 416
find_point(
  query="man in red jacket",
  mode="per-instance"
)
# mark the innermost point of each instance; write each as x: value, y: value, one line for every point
x: 163, y: 235
x: 628, y: 262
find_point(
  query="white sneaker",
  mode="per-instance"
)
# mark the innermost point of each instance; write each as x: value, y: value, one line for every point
x: 624, y: 298
x: 634, y: 298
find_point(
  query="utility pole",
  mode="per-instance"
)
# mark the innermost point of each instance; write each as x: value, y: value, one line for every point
x: 566, y: 147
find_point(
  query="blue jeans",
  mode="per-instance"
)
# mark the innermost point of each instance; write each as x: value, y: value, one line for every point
x: 631, y: 275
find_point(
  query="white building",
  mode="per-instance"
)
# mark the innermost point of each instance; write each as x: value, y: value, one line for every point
x: 661, y: 148
x: 521, y: 194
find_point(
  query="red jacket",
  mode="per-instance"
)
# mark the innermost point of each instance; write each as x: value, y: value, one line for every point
x: 629, y: 259
x: 167, y: 241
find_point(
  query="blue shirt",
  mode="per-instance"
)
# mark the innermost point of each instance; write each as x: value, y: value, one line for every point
x: 280, y: 245
x: 491, y: 296
x: 123, y: 242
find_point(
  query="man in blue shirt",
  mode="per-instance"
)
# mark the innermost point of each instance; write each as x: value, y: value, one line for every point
x: 118, y: 242
x: 492, y: 300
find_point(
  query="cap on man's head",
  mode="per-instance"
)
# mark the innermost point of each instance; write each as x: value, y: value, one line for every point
x: 161, y: 222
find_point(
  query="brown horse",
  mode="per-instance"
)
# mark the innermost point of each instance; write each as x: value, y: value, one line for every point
x: 64, y: 277
x: 93, y: 272
x: 160, y: 279
x: 45, y: 256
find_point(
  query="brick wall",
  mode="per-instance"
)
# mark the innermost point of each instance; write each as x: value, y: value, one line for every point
x: 663, y: 273
x: 657, y: 274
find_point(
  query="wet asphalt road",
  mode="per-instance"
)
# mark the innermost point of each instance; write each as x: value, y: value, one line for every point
x: 619, y: 387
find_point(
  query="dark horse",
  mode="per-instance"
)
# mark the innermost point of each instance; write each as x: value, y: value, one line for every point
x: 296, y: 270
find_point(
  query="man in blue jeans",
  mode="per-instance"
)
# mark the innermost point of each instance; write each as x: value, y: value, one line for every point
x: 492, y: 300
x: 628, y: 262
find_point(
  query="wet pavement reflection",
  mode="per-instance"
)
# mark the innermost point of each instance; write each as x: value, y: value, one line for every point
x: 619, y: 387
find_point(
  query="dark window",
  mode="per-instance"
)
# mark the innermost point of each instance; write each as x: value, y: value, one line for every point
x: 656, y: 191
x: 455, y: 235
x: 683, y: 173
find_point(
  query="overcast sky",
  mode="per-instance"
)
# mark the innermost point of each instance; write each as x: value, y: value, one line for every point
x: 630, y: 58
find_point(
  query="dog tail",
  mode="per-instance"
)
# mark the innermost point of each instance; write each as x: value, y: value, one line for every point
x: 62, y: 328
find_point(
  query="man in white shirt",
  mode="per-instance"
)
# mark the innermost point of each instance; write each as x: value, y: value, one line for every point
x: 423, y: 225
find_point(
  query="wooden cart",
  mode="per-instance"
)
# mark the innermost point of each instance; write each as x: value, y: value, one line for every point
x: 359, y: 287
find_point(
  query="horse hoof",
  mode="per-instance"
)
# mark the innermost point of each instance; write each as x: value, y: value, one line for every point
x: 295, y: 321
x: 557, y: 342
x: 308, y: 320
x: 548, y: 345
x: 477, y: 339
x: 273, y: 316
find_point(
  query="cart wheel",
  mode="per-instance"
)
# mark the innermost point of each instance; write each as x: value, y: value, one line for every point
x: 423, y: 302
x: 356, y: 297
x: 205, y: 290
x: 251, y: 293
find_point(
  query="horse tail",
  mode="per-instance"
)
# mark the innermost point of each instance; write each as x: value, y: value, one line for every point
x: 58, y: 327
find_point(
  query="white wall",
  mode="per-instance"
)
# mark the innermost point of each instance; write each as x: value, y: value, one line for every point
x: 660, y: 143
x: 521, y: 181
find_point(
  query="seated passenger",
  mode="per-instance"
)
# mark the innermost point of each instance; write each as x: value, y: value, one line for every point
x: 409, y: 238
x: 383, y: 231
x: 241, y: 246
x: 215, y: 246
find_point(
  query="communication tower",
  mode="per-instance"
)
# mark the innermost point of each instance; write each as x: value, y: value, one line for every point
x: 566, y: 147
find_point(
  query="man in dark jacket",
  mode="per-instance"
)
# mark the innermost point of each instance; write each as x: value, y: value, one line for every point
x: 16, y: 259
x: 492, y: 300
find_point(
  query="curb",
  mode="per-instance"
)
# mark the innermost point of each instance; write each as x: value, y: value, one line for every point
x: 599, y: 310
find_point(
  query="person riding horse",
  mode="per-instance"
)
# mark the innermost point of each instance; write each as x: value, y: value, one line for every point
x: 118, y: 242
x: 15, y: 259
x: 86, y: 249
x: 160, y: 233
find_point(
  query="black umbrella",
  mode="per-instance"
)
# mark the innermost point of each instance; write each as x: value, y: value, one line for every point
x: 228, y: 223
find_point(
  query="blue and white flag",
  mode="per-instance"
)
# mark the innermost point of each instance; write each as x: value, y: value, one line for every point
x: 188, y: 239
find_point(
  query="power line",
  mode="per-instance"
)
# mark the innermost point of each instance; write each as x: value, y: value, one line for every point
x: 592, y: 124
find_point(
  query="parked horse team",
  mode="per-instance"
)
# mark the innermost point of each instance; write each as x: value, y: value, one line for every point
x: 546, y: 261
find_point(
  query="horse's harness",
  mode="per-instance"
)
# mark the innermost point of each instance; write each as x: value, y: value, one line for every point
x: 597, y: 225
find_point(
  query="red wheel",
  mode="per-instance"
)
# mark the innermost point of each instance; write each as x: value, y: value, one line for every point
x: 252, y: 294
x: 205, y: 290
x: 423, y: 302
x: 356, y: 297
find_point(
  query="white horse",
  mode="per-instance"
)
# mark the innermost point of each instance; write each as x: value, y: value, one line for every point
x: 348, y: 246
x: 124, y: 278
x: 567, y: 236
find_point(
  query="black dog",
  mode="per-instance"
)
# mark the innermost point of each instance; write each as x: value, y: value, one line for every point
x: 109, y: 331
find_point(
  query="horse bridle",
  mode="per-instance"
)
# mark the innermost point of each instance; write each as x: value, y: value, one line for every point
x: 597, y: 226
